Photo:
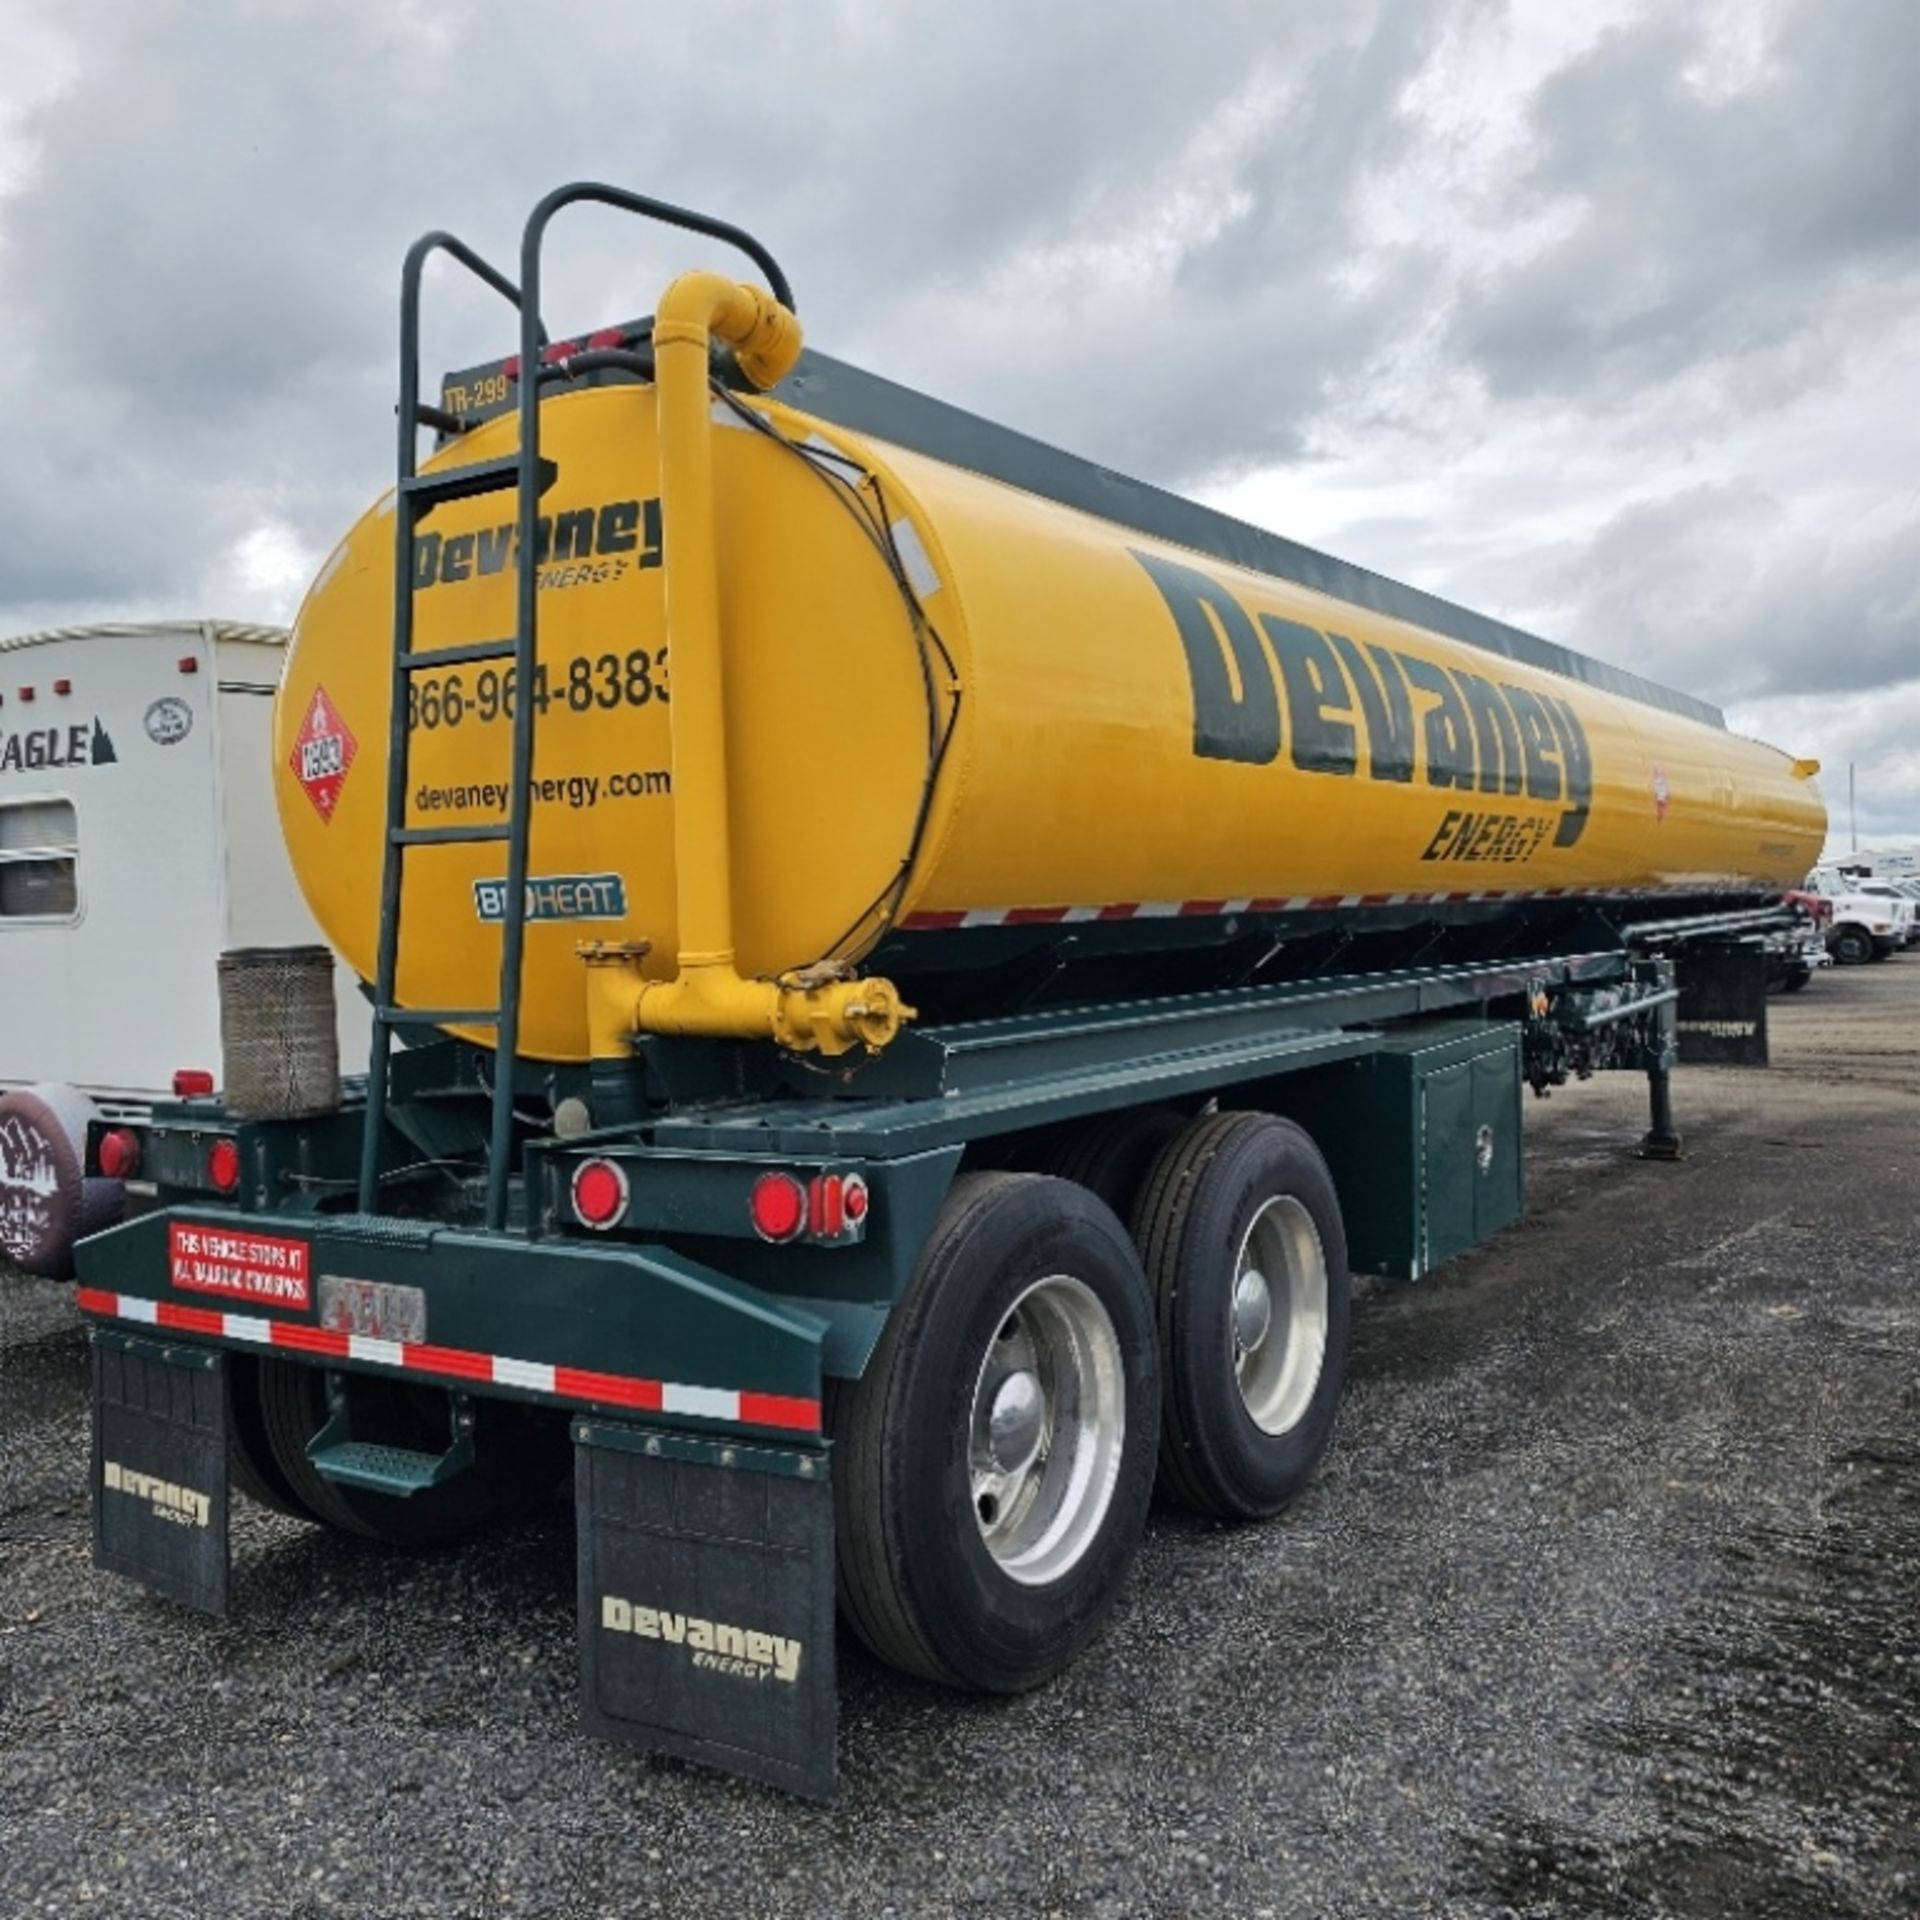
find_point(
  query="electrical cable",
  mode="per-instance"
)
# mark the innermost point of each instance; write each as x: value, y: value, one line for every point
x: 876, y: 523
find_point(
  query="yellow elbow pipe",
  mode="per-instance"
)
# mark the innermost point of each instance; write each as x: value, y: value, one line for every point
x: 708, y: 997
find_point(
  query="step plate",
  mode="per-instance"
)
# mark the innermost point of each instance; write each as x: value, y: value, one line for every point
x: 706, y: 1604
x: 160, y: 1468
x: 395, y: 1470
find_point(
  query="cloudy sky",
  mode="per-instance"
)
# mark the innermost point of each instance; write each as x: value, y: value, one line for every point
x: 1599, y: 315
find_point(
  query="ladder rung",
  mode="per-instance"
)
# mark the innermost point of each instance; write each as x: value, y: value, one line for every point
x: 444, y: 836
x: 439, y: 419
x: 463, y: 483
x: 438, y: 1016
x: 425, y: 662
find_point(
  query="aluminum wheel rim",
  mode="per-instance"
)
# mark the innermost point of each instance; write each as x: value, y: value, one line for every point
x: 1278, y: 1352
x: 1046, y: 1432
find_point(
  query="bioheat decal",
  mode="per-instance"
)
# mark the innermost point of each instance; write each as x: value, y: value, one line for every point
x: 557, y: 896
x: 1334, y: 701
x: 40, y: 749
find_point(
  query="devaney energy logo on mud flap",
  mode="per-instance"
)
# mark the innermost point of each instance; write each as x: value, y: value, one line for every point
x: 177, y: 1505
x: 711, y: 1645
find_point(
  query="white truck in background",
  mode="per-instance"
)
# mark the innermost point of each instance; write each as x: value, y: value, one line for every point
x: 1870, y: 920
x: 138, y: 841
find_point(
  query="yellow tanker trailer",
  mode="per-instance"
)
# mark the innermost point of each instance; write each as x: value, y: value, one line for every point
x: 850, y: 894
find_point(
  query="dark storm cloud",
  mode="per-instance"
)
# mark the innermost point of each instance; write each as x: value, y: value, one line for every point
x: 1705, y: 227
x: 1714, y: 587
x: 198, y: 270
x: 1193, y: 240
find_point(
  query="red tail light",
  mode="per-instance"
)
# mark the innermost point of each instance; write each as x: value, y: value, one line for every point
x: 190, y: 1082
x: 826, y: 1206
x: 223, y: 1166
x: 599, y: 1193
x: 120, y: 1154
x: 778, y: 1206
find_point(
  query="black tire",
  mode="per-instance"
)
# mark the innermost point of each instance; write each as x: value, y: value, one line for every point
x: 1851, y: 946
x: 1112, y: 1155
x: 1794, y: 982
x: 1195, y: 1215
x: 918, y: 1582
x: 521, y: 1453
x: 251, y: 1465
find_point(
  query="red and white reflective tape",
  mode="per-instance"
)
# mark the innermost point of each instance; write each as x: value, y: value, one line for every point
x: 938, y: 922
x: 738, y: 1407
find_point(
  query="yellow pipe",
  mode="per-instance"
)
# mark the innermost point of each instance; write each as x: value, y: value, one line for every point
x: 708, y: 997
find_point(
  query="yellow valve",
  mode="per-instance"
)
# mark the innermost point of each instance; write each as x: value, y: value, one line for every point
x: 802, y: 1013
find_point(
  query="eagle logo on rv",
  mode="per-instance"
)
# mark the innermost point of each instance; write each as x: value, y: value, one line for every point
x: 323, y: 753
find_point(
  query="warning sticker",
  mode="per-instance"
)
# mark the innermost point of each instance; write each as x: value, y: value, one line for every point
x: 323, y: 753
x: 244, y: 1266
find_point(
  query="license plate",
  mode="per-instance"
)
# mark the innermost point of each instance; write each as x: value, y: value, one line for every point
x: 380, y: 1309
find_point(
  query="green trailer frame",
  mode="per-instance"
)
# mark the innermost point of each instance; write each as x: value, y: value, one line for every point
x: 422, y: 1244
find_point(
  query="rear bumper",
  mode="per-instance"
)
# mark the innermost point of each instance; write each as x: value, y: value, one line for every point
x: 614, y: 1329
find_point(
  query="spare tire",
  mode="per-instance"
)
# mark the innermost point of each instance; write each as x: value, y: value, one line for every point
x: 47, y: 1204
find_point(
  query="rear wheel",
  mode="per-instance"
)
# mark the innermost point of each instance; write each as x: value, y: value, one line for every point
x: 520, y: 1454
x: 250, y: 1459
x: 994, y: 1464
x: 1111, y: 1156
x: 1240, y: 1231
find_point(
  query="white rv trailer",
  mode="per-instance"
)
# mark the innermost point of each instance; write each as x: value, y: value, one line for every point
x: 138, y: 841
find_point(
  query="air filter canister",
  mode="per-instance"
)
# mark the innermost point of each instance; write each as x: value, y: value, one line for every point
x: 279, y: 1045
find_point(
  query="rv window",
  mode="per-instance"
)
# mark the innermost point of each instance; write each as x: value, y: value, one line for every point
x: 39, y: 847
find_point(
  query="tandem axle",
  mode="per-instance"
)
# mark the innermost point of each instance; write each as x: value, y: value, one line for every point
x: 677, y: 1291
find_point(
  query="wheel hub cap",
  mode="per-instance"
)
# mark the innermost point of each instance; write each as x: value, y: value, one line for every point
x: 1045, y: 1436
x: 1252, y: 1310
x: 1279, y: 1314
x: 1018, y: 1419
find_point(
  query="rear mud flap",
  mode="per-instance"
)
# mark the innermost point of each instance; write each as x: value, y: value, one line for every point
x: 1722, y: 1016
x: 706, y: 1602
x: 160, y: 1467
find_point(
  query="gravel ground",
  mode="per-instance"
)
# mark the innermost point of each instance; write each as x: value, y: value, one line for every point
x: 1607, y: 1604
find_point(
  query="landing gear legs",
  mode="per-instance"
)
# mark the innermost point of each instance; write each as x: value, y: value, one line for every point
x: 1660, y: 1141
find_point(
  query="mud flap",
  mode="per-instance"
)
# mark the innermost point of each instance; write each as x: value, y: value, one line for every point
x: 706, y: 1602
x: 1722, y: 1016
x: 160, y: 1467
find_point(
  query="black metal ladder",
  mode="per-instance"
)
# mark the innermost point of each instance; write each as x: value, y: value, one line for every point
x: 416, y: 496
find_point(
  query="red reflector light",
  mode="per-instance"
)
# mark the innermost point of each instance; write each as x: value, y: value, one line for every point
x: 826, y: 1216
x: 189, y: 664
x: 26, y: 693
x: 854, y: 1200
x: 778, y: 1207
x: 190, y: 1082
x: 599, y: 1193
x: 605, y: 337
x: 223, y: 1166
x: 119, y: 1154
x: 63, y: 686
